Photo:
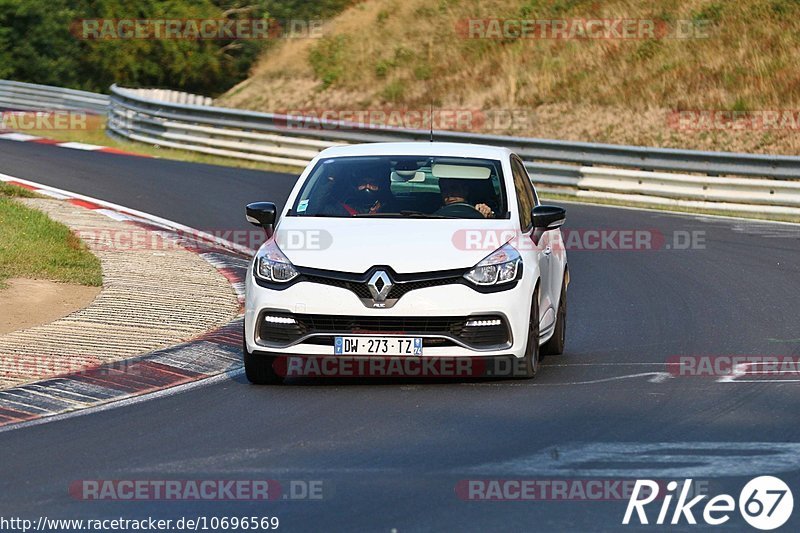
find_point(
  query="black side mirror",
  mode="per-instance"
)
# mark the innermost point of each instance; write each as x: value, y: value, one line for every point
x: 547, y: 217
x: 262, y: 214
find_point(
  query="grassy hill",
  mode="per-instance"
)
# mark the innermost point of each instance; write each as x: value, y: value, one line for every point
x: 405, y: 54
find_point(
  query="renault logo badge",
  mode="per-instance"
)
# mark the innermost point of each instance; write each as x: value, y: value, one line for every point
x: 379, y: 286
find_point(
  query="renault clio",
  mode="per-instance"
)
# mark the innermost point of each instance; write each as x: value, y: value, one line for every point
x: 407, y: 250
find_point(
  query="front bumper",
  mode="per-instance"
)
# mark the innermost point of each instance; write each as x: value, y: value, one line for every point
x: 341, y: 309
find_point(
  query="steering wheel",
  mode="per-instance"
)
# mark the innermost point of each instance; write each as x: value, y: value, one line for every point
x: 459, y: 210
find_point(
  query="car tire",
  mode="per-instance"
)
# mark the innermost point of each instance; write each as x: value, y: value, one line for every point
x: 532, y: 353
x: 555, y: 346
x: 260, y: 369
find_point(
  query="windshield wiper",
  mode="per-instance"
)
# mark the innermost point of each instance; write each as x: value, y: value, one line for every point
x: 402, y: 214
x: 420, y: 214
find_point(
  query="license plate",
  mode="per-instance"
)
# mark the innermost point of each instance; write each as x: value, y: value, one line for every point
x: 378, y: 346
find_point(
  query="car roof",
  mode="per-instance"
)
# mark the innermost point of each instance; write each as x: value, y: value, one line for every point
x: 441, y: 149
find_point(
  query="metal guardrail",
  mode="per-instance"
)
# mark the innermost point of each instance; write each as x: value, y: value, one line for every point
x: 17, y: 95
x: 777, y: 197
x: 576, y: 153
x: 722, y: 180
x: 762, y: 183
x: 175, y: 97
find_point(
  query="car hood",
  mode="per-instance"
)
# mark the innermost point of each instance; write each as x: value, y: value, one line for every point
x: 406, y: 245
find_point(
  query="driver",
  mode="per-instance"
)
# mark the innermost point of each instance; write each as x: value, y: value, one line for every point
x: 455, y: 192
x: 367, y: 194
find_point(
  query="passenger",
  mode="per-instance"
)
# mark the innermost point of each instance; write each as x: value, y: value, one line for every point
x: 454, y: 197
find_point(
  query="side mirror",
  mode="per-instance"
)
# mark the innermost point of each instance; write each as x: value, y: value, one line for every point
x: 547, y: 217
x: 262, y: 214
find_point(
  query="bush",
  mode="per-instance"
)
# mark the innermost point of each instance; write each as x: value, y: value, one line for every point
x: 327, y: 59
x: 36, y: 43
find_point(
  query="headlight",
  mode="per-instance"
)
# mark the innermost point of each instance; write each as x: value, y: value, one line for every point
x: 499, y: 267
x: 272, y: 265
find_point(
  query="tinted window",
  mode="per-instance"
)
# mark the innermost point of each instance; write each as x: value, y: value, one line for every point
x: 525, y: 197
x: 404, y: 186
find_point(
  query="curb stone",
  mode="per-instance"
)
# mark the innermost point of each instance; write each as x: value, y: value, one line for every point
x: 211, y: 353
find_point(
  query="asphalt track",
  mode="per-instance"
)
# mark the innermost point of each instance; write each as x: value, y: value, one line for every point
x: 391, y: 454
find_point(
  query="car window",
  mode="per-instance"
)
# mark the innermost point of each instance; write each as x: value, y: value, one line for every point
x: 525, y: 195
x: 403, y: 186
x: 528, y: 182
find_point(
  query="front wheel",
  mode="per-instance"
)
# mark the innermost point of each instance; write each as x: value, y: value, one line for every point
x: 555, y: 346
x: 532, y: 356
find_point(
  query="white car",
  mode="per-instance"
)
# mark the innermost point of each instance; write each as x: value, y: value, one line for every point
x: 407, y: 250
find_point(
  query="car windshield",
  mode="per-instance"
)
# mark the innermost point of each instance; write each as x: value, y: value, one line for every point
x: 403, y: 186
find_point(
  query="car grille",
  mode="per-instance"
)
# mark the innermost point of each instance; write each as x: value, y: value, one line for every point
x: 445, y: 330
x: 399, y: 288
x: 360, y: 289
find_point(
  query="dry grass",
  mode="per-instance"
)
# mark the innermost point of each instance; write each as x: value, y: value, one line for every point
x: 407, y: 54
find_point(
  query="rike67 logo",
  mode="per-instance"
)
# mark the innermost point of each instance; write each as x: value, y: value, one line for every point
x: 765, y: 503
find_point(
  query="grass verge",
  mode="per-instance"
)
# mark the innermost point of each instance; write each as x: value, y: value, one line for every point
x: 32, y: 245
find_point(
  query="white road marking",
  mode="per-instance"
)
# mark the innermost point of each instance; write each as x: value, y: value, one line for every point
x: 114, y: 403
x: 113, y: 214
x: 51, y: 194
x: 14, y: 136
x: 764, y: 381
x: 612, y: 364
x: 663, y: 459
x: 656, y: 377
x: 743, y: 369
x: 80, y: 146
